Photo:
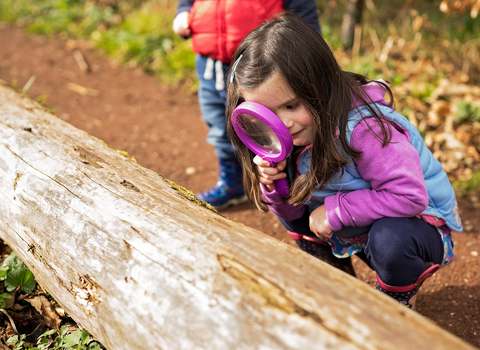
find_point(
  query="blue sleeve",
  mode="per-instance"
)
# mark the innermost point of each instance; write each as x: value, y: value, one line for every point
x: 184, y: 5
x: 307, y: 9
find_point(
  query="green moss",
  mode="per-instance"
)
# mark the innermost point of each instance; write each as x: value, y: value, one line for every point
x: 190, y: 195
x: 125, y: 154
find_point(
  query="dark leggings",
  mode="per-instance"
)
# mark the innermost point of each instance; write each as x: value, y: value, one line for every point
x: 396, y: 248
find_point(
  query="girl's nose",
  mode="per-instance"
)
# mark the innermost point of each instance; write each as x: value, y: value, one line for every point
x: 288, y: 123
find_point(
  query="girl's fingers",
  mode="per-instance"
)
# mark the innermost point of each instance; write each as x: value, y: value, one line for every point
x: 267, y: 175
x: 271, y: 174
x: 270, y: 180
x: 261, y: 162
x: 268, y: 171
x: 324, y: 236
x: 282, y: 165
x: 265, y: 181
x: 319, y: 223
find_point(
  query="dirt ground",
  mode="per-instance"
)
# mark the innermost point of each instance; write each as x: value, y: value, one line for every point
x: 162, y: 128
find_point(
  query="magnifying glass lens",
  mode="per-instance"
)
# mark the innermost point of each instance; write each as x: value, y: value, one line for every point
x: 260, y: 133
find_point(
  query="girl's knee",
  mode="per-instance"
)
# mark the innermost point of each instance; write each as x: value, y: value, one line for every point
x: 398, y: 247
x: 388, y: 240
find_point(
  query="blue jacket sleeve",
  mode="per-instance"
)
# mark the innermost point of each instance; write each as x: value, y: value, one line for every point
x: 184, y: 5
x: 307, y: 9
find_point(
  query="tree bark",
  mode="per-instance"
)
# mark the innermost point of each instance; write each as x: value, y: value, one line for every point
x: 138, y: 263
x: 351, y: 19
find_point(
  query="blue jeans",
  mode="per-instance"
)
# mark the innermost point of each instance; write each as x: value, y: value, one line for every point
x: 396, y: 248
x: 212, y: 105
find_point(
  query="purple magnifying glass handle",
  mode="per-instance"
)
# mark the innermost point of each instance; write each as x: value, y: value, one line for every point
x: 282, y: 187
x: 265, y: 135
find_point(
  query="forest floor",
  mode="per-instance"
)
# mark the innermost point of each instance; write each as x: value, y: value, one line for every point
x: 162, y: 128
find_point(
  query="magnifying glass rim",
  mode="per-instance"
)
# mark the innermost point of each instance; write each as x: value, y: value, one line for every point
x: 272, y: 121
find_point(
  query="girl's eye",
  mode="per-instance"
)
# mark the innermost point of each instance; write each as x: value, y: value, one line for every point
x: 292, y: 106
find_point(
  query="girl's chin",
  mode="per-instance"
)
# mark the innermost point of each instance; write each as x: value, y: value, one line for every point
x: 299, y: 143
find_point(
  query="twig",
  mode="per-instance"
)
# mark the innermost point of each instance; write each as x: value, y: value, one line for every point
x: 82, y: 63
x: 386, y: 49
x: 11, y: 320
x: 378, y: 53
x: 82, y: 90
x: 34, y: 329
x: 28, y: 84
x: 376, y: 43
x: 357, y: 40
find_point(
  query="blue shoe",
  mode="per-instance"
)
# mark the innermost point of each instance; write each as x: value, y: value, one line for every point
x: 228, y: 190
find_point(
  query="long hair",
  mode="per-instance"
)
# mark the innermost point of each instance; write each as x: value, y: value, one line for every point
x: 287, y: 45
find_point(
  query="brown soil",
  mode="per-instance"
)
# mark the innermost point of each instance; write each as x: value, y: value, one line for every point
x: 162, y: 128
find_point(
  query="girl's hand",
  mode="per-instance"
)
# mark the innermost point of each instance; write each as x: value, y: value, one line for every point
x: 319, y: 224
x: 267, y: 174
x: 180, y: 24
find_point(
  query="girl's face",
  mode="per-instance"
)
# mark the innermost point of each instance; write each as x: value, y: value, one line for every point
x: 277, y: 95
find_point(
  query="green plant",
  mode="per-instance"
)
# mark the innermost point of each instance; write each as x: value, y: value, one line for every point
x: 14, y: 273
x: 77, y: 340
x: 468, y: 112
x: 471, y: 185
x: 4, y: 296
x: 136, y: 33
x: 14, y: 84
x: 17, y: 274
x: 18, y: 342
x: 145, y: 39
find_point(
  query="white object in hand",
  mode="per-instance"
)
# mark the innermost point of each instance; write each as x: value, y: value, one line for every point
x: 180, y: 24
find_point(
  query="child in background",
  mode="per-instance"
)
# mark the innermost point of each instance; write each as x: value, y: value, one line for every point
x: 361, y: 177
x: 216, y: 28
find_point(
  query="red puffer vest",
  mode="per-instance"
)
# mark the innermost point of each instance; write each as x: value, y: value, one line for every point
x: 218, y: 26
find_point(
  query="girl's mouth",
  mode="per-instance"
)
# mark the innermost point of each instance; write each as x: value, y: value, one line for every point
x: 295, y: 134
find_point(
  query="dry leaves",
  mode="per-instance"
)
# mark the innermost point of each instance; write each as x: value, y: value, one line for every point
x: 462, y: 6
x: 451, y: 134
x: 45, y: 308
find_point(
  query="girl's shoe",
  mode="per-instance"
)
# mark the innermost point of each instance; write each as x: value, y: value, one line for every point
x: 323, y: 251
x: 407, y: 295
x: 228, y: 190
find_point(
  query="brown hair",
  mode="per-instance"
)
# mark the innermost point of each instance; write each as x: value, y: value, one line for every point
x: 289, y: 46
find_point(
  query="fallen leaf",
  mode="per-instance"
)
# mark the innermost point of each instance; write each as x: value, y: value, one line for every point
x: 45, y: 308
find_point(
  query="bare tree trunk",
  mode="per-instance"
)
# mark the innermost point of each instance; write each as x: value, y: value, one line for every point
x: 351, y: 19
x: 136, y: 261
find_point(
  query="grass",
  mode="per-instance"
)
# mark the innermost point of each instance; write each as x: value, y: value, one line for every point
x: 135, y: 33
x: 138, y: 33
x: 470, y: 186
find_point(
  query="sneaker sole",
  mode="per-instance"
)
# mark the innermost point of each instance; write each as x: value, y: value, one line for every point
x: 234, y: 201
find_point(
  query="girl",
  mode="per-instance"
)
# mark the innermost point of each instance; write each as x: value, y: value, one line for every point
x: 361, y: 178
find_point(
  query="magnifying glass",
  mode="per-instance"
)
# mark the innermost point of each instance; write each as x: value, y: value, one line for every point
x: 265, y: 135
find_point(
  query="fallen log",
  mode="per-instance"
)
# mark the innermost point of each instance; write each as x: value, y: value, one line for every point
x: 140, y: 264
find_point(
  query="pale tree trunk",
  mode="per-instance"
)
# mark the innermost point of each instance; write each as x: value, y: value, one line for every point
x: 351, y: 19
x: 140, y: 266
